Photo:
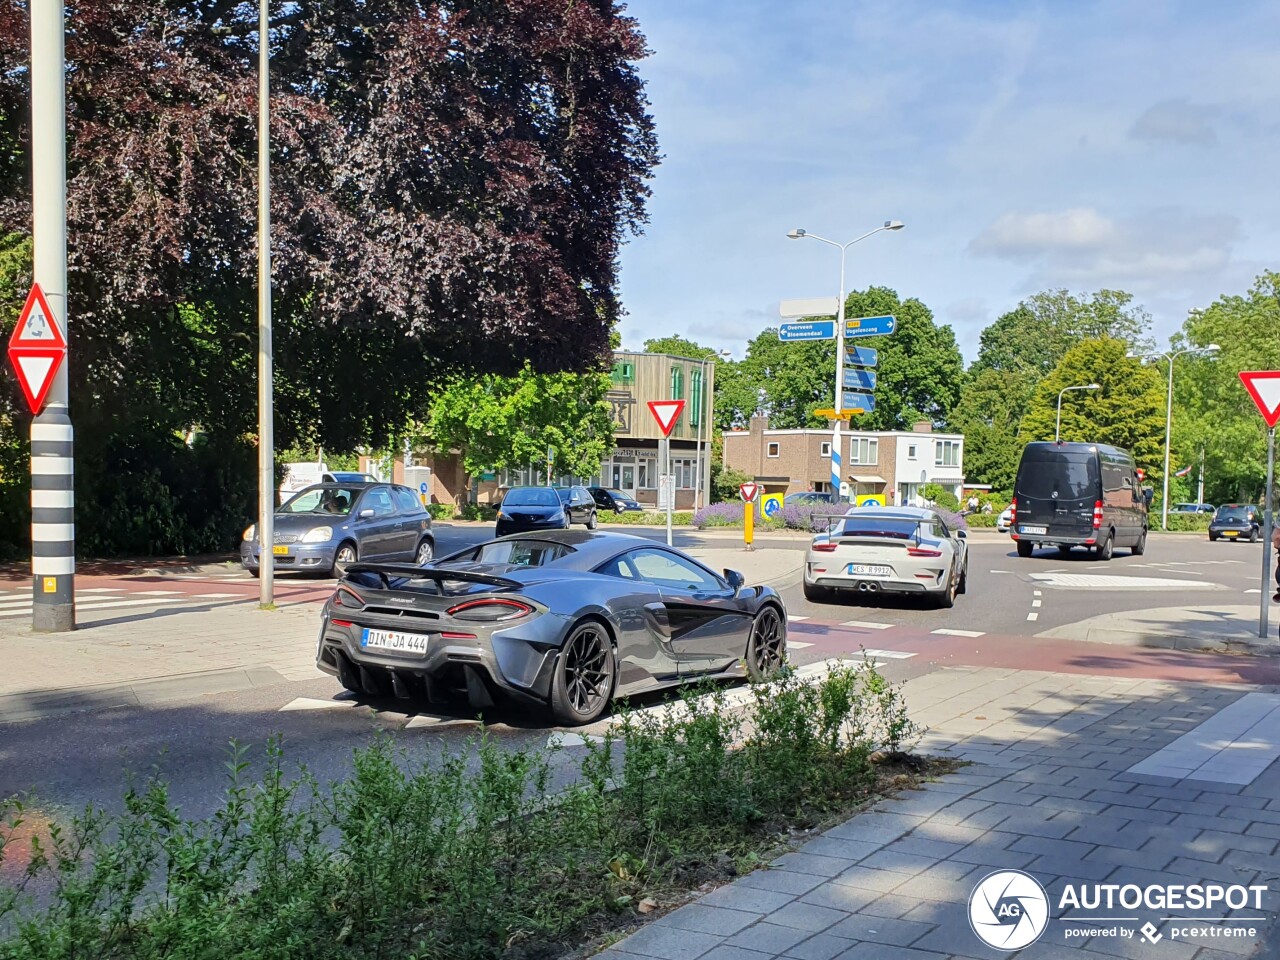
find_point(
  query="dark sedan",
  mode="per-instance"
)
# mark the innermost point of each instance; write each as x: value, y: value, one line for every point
x: 530, y: 508
x: 328, y: 526
x: 579, y: 506
x: 566, y: 620
x: 614, y: 500
x: 1235, y: 521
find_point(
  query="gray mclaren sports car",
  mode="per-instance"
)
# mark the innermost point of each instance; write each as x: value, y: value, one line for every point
x: 563, y: 619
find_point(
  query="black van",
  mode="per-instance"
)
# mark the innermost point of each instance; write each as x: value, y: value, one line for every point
x: 1078, y: 494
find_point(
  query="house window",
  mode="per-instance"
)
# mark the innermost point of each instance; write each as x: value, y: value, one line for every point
x: 623, y: 373
x: 911, y: 451
x: 695, y: 402
x: 677, y: 383
x: 646, y: 475
x: 863, y: 451
x: 773, y: 450
x: 826, y: 448
x: 946, y: 453
x: 684, y: 471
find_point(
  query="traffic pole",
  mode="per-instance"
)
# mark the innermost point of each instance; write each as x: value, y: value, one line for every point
x: 53, y: 531
x: 266, y: 414
x: 1264, y: 608
x: 749, y: 523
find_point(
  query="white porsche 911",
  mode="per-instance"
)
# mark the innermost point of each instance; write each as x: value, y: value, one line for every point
x: 888, y: 550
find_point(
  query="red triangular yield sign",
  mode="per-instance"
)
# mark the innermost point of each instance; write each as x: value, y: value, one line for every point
x: 748, y: 491
x: 37, y: 326
x: 1264, y: 387
x: 666, y: 412
x: 36, y: 367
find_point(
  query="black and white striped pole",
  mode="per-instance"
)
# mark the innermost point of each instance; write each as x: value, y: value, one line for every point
x: 53, y: 537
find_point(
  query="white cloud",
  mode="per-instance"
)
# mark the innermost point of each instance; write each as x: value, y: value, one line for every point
x: 1176, y: 121
x: 1018, y: 236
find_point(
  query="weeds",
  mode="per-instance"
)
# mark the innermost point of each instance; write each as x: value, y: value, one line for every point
x: 480, y: 856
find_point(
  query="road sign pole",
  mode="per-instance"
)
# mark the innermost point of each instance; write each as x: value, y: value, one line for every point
x: 836, y: 473
x: 266, y: 405
x: 1264, y: 608
x: 53, y: 548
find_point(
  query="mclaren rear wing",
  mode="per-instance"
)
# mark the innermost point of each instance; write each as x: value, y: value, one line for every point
x: 407, y: 571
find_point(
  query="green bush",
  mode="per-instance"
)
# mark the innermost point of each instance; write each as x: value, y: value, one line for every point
x: 472, y: 856
x: 941, y: 496
x: 442, y: 511
x: 480, y: 512
x: 679, y: 518
x: 1184, y: 522
x: 725, y: 482
x: 982, y: 519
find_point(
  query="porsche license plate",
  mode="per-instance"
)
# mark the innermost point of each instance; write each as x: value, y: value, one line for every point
x: 1025, y: 529
x: 393, y: 640
x: 867, y: 570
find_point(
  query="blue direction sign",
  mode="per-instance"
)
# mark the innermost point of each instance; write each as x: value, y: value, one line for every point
x: 808, y: 330
x: 856, y: 379
x: 861, y: 356
x: 859, y: 401
x: 870, y: 326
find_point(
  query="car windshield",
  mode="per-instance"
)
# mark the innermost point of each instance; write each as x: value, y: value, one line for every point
x: 618, y: 494
x: 352, y: 477
x: 328, y: 501
x: 1186, y: 508
x: 564, y: 493
x: 895, y: 528
x: 521, y: 553
x: 1057, y: 474
x: 531, y: 497
x: 1233, y: 513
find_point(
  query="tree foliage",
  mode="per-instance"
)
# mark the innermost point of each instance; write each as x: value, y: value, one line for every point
x: 989, y: 414
x: 500, y: 422
x: 678, y: 346
x: 1128, y: 411
x: 451, y: 184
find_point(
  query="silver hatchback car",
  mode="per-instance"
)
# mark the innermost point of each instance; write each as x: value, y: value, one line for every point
x: 906, y: 550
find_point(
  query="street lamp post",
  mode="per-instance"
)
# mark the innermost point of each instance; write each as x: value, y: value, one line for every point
x: 1168, y: 415
x: 701, y: 483
x: 1057, y: 430
x: 798, y: 234
x: 266, y: 416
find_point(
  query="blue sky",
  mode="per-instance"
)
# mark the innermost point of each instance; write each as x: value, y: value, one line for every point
x: 1131, y: 145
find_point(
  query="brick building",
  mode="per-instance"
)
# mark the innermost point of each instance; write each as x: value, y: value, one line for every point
x: 889, y: 465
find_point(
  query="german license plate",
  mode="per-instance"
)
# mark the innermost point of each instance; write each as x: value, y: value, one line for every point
x: 867, y: 570
x: 280, y: 550
x: 1231, y: 533
x: 1026, y: 529
x: 393, y: 640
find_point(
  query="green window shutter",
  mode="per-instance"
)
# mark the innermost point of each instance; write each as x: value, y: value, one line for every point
x: 695, y: 402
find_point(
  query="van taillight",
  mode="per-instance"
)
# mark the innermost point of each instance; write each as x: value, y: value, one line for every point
x: 1097, y: 514
x: 1013, y: 512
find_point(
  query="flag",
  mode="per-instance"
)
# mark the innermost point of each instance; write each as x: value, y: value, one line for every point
x: 1183, y: 472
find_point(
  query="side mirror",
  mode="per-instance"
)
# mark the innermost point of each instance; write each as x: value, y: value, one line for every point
x: 963, y: 535
x: 366, y: 513
x: 735, y: 580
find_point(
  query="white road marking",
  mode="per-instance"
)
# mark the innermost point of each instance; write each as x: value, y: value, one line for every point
x: 887, y: 654
x: 960, y: 633
x: 1036, y: 603
x: 866, y: 623
x: 1033, y: 616
x: 1036, y: 593
x: 217, y: 596
x: 797, y: 645
x: 1235, y: 745
x: 1254, y: 590
x: 791, y: 619
x: 998, y: 571
x: 100, y: 590
x: 572, y: 740
x: 1115, y: 582
x: 100, y: 605
x: 310, y: 703
x: 427, y: 720
x: 153, y: 593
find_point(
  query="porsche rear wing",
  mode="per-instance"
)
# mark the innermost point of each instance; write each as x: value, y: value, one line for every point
x: 833, y: 517
x: 388, y: 571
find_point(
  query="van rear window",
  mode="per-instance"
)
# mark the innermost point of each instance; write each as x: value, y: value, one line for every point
x: 1072, y: 476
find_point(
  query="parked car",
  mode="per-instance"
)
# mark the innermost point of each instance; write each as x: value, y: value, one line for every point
x: 1192, y: 508
x: 1005, y: 520
x: 614, y: 500
x: 579, y: 505
x: 807, y: 497
x: 345, y: 476
x: 1236, y: 521
x: 567, y: 620
x: 328, y: 526
x: 531, y: 508
x: 888, y: 550
x: 1078, y: 494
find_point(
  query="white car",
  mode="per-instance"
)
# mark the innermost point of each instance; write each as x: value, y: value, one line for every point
x: 1005, y: 520
x: 888, y: 550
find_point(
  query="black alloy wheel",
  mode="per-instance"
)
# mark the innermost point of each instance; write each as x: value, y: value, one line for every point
x: 583, y: 682
x: 767, y: 646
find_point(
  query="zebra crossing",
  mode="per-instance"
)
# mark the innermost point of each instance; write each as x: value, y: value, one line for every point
x: 18, y: 603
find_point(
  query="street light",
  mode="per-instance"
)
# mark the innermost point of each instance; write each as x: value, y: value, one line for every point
x: 699, y: 487
x: 266, y: 416
x: 1057, y: 430
x: 799, y: 234
x: 1168, y: 413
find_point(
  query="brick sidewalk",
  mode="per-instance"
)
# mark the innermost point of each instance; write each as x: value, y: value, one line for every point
x: 1052, y: 791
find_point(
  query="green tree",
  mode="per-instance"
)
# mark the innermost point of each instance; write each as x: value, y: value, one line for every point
x: 678, y: 346
x: 1212, y: 411
x: 989, y: 413
x: 1128, y: 411
x: 500, y: 422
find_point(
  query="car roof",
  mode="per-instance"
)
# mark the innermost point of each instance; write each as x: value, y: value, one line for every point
x: 892, y: 513
x: 590, y: 548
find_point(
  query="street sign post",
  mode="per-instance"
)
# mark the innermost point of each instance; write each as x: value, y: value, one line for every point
x: 811, y: 307
x: 859, y: 402
x: 858, y: 379
x: 771, y: 504
x: 1264, y: 388
x: 666, y: 413
x: 870, y: 326
x: 861, y: 356
x: 37, y: 349
x: 830, y: 413
x: 749, y: 492
x: 808, y: 330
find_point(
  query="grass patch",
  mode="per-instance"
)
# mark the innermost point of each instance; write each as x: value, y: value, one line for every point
x: 472, y: 858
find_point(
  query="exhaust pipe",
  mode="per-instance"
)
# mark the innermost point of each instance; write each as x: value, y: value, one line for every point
x: 864, y: 587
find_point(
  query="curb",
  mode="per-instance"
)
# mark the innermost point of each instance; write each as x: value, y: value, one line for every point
x: 1245, y: 646
x: 40, y: 704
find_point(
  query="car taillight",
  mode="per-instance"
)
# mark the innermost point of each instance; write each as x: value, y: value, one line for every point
x: 1013, y: 512
x: 348, y: 598
x: 923, y: 552
x: 342, y: 623
x: 825, y: 547
x: 1097, y: 514
x: 490, y: 610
